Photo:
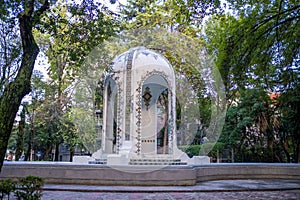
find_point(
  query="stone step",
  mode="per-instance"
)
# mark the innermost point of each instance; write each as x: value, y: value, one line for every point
x: 156, y: 162
x: 99, y: 162
x: 145, y: 161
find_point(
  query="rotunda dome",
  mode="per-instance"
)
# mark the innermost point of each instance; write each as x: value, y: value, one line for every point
x: 142, y: 59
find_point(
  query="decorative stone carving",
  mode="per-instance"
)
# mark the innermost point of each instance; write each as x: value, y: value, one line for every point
x: 147, y: 97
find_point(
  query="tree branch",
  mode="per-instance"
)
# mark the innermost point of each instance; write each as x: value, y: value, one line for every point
x: 259, y: 24
x: 277, y: 27
x: 278, y: 24
x: 31, y: 7
x: 40, y: 11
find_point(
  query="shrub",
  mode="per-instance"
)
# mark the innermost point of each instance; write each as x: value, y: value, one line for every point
x: 191, y: 150
x: 6, y: 187
x: 29, y: 188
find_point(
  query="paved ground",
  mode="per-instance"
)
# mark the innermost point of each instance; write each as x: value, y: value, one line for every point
x: 210, y: 190
x: 214, y: 190
x: 274, y: 195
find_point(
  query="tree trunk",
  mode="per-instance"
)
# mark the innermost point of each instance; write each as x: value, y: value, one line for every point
x: 285, y: 149
x: 28, y: 151
x: 16, y: 90
x: 72, y: 153
x: 56, y: 156
x: 32, y: 150
x: 47, y: 152
x: 296, y: 152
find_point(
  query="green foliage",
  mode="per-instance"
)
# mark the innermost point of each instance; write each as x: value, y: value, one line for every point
x: 289, y: 120
x: 175, y: 15
x: 75, y: 30
x: 256, y: 47
x: 26, y: 188
x: 258, y: 51
x: 217, y: 149
x: 29, y: 188
x: 6, y: 188
x: 191, y: 150
x: 205, y: 109
x: 251, y: 126
x: 66, y: 36
x: 208, y: 149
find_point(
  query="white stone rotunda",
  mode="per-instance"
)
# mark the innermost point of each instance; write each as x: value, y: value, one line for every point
x: 134, y: 120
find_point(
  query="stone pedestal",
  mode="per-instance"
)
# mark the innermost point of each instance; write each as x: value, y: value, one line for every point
x: 117, y: 159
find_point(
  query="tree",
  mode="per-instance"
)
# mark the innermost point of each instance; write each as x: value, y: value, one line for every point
x: 76, y: 29
x: 218, y: 36
x: 258, y: 47
x: 174, y: 15
x: 70, y: 134
x: 39, y: 89
x: 251, y: 128
x: 28, y: 14
x: 289, y: 110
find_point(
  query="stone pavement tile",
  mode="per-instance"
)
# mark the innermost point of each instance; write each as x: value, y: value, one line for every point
x: 235, y: 185
x: 212, y: 186
x: 210, y: 190
x: 269, y: 195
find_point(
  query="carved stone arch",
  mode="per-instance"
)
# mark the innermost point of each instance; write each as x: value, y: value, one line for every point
x: 160, y: 82
x: 111, y: 130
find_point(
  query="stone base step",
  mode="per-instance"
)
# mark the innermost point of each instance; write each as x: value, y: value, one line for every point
x: 99, y: 162
x: 156, y: 162
x: 143, y: 161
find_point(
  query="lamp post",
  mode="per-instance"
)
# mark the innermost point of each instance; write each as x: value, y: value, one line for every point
x: 99, y: 124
